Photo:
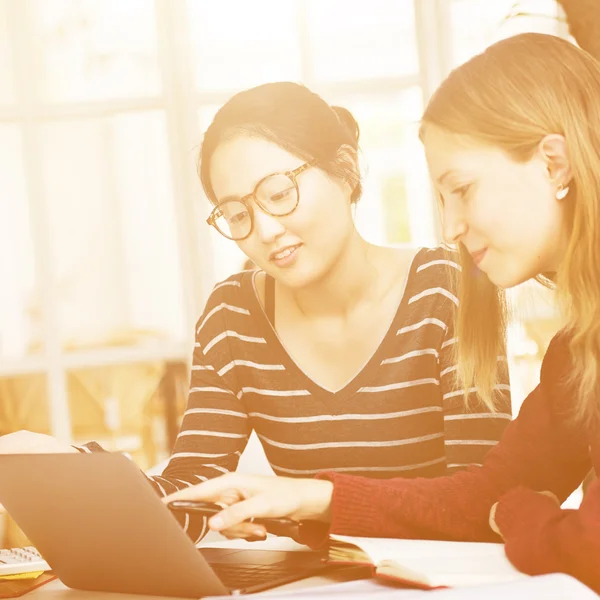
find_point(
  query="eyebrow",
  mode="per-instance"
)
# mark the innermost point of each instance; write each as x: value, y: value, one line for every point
x: 441, y: 178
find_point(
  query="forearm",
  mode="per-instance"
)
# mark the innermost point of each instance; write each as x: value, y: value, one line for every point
x: 455, y: 507
x: 542, y: 538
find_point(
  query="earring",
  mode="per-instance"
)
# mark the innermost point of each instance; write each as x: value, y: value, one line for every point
x: 562, y: 191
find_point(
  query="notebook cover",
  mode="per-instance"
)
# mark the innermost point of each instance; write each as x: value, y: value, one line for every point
x: 14, y: 588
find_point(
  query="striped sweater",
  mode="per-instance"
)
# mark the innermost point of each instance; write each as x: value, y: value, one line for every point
x: 402, y: 415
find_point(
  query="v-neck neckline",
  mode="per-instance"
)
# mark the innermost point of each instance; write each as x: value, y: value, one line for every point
x: 355, y: 382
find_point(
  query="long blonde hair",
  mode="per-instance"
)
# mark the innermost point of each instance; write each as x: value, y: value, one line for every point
x: 511, y: 96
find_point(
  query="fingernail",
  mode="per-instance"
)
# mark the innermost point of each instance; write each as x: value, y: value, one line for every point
x: 259, y: 533
x: 216, y: 523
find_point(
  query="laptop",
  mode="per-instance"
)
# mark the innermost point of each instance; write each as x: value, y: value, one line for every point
x: 100, y: 526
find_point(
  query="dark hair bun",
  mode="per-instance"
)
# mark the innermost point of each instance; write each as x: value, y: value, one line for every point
x: 347, y: 120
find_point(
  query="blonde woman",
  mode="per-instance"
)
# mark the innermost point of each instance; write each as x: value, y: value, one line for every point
x: 512, y: 139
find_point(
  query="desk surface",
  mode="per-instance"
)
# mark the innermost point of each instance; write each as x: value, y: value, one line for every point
x: 55, y: 590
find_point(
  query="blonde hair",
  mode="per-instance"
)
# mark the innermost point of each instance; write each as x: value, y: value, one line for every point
x: 511, y: 96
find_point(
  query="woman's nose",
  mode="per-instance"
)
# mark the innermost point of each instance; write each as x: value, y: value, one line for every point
x: 454, y: 225
x: 267, y: 227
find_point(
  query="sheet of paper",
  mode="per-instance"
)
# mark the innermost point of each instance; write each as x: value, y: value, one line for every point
x: 545, y: 587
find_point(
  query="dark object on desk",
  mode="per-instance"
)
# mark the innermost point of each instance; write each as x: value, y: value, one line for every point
x: 279, y: 527
x: 99, y: 524
x: 14, y: 588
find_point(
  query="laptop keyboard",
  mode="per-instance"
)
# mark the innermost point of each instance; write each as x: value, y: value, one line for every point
x: 247, y: 576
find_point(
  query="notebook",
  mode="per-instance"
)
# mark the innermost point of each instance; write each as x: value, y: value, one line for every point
x: 426, y: 564
x: 11, y: 587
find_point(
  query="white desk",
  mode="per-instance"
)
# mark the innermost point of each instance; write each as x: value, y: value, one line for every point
x: 548, y: 587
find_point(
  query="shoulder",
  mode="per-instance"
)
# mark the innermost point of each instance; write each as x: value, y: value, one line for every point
x: 229, y: 299
x: 230, y: 290
x: 557, y: 362
x: 434, y: 270
x: 438, y: 261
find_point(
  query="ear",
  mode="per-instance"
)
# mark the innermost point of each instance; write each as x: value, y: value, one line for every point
x: 346, y: 161
x: 553, y: 151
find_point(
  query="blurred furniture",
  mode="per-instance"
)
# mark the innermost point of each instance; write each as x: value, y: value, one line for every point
x: 134, y: 406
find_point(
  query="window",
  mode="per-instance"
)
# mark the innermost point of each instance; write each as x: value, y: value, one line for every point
x: 90, y: 50
x: 106, y: 258
x: 19, y: 333
x: 238, y: 44
x: 474, y: 24
x: 356, y: 40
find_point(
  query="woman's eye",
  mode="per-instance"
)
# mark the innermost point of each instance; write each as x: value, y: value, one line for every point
x: 461, y: 192
x: 282, y: 195
x: 238, y: 218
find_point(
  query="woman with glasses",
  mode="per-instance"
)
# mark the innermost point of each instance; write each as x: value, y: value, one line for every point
x: 338, y: 353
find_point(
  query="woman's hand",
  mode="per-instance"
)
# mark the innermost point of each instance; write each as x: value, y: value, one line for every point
x: 245, y: 497
x: 492, y: 520
x: 28, y: 442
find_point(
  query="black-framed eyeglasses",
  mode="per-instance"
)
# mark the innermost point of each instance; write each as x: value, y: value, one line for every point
x: 276, y: 194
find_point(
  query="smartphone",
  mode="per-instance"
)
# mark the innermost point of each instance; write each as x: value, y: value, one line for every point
x: 280, y: 527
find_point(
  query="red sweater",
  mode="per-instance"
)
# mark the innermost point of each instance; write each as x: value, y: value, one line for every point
x: 542, y: 449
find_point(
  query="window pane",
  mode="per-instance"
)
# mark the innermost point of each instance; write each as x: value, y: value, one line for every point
x: 124, y: 406
x: 20, y: 304
x: 95, y: 49
x: 354, y: 39
x: 115, y: 253
x: 7, y: 91
x: 24, y: 404
x: 239, y: 44
x: 477, y: 24
x: 397, y: 205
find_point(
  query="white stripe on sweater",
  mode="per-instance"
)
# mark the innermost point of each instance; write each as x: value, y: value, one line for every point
x: 432, y: 292
x: 353, y: 443
x: 226, y: 283
x: 265, y: 392
x: 347, y: 417
x: 400, y: 385
x: 470, y: 442
x: 490, y: 415
x: 449, y: 342
x: 220, y: 307
x: 210, y: 389
x: 160, y: 487
x: 428, y: 321
x: 233, y: 334
x: 209, y: 433
x: 249, y: 363
x: 413, y: 354
x: 500, y: 386
x: 178, y: 455
x: 429, y: 463
x: 431, y: 263
x: 214, y: 411
x: 448, y: 370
